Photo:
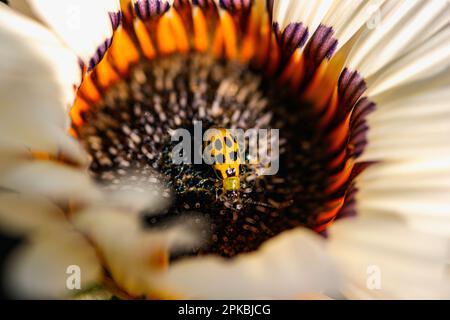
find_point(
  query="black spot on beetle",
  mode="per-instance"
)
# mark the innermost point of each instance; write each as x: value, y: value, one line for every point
x: 220, y: 159
x: 218, y: 144
x: 228, y: 142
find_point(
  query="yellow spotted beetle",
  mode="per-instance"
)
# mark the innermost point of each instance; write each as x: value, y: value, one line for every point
x: 225, y: 159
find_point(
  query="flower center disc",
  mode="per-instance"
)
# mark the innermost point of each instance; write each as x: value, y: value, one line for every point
x: 128, y: 137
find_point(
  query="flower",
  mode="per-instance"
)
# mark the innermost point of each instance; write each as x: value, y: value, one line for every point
x: 358, y: 89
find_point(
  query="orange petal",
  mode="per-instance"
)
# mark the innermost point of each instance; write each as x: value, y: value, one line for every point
x: 200, y: 30
x: 123, y: 51
x: 229, y: 34
x: 144, y: 39
x: 165, y: 38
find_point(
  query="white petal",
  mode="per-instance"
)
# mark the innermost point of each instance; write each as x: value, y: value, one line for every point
x: 415, y: 190
x: 402, y: 26
x: 35, y: 66
x: 382, y: 258
x: 427, y: 60
x: 37, y: 81
x: 310, y: 13
x: 21, y: 215
x: 288, y: 266
x: 50, y: 179
x: 134, y: 256
x: 408, y: 134
x: 346, y: 17
x: 84, y: 25
x: 25, y: 139
x: 41, y: 267
x: 411, y: 121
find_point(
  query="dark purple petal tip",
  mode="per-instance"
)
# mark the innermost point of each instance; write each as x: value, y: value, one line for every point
x: 359, y: 126
x: 116, y: 19
x: 236, y: 5
x: 147, y: 9
x: 323, y: 44
x: 294, y: 36
x: 351, y: 87
x: 202, y: 3
x: 99, y: 54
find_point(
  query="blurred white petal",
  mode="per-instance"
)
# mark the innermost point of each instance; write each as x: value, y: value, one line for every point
x: 40, y: 268
x: 51, y: 179
x: 24, y: 139
x: 382, y: 258
x: 35, y: 68
x: 135, y: 257
x: 84, y: 25
x: 289, y: 265
x: 22, y: 215
x: 37, y: 81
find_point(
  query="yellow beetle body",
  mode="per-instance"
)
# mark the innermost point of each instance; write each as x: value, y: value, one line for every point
x: 226, y: 159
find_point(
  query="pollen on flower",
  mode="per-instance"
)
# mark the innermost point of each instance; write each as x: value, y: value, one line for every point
x: 225, y: 66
